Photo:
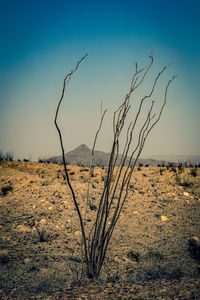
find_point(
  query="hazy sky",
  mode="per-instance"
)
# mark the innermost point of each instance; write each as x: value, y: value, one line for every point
x: 41, y: 41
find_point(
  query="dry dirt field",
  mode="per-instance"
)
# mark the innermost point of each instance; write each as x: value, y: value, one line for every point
x: 149, y: 257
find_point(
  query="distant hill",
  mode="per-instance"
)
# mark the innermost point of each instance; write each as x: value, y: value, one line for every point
x: 194, y: 159
x: 82, y: 154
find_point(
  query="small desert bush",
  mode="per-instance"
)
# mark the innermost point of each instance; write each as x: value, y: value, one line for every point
x: 92, y: 172
x: 26, y: 160
x: 194, y: 249
x: 161, y: 171
x: 193, y: 172
x: 1, y: 156
x: 41, y: 233
x: 183, y: 181
x: 79, y: 164
x: 173, y: 169
x: 134, y: 256
x: 8, y: 156
x: 44, y: 183
x: 5, y: 189
x: 84, y: 170
x: 180, y: 168
x: 40, y: 160
x: 131, y: 187
x: 77, y: 274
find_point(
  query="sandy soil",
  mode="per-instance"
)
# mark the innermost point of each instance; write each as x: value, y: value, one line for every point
x: 148, y: 257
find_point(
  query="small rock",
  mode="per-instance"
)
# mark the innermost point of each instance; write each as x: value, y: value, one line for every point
x: 109, y: 284
x: 196, y: 238
x: 22, y: 228
x: 50, y: 207
x: 116, y: 259
x: 5, y: 238
x: 43, y: 221
x: 164, y: 218
x: 186, y: 194
x: 43, y: 270
x: 27, y: 260
x: 78, y: 233
x: 3, y: 252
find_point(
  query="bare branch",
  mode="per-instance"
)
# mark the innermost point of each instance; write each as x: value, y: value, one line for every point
x: 66, y: 81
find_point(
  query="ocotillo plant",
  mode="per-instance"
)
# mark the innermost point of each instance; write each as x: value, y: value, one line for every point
x: 120, y: 167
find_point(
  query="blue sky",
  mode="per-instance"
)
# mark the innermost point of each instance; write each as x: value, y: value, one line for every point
x: 41, y: 41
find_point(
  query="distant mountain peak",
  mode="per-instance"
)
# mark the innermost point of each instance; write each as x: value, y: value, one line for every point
x: 83, y: 147
x: 82, y: 156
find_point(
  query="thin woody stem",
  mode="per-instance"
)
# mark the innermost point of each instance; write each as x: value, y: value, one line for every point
x: 66, y: 81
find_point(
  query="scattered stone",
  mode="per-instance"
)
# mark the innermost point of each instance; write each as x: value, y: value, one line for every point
x: 164, y: 218
x: 50, y: 207
x: 3, y: 252
x: 43, y: 221
x: 22, y: 228
x: 44, y: 270
x: 117, y: 260
x: 27, y: 260
x: 135, y: 212
x: 5, y: 238
x: 78, y: 233
x: 186, y: 194
x: 109, y: 284
x: 196, y: 238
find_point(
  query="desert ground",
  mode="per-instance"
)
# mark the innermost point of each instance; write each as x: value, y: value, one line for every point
x: 153, y: 254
